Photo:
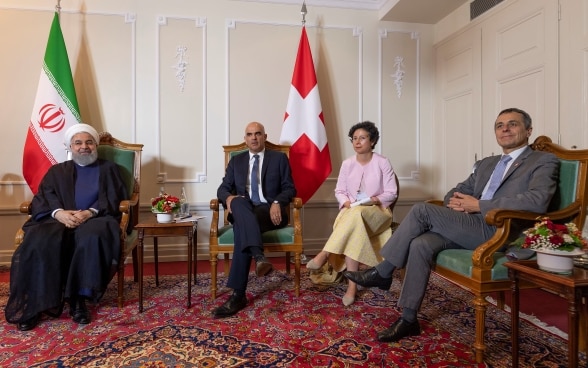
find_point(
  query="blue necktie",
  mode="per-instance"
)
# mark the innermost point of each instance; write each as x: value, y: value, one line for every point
x: 496, y: 178
x: 255, y: 181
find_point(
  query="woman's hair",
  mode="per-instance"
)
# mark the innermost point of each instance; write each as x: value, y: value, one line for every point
x: 369, y: 127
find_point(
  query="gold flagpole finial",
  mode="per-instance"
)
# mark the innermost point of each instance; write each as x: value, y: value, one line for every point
x: 58, y: 7
x: 303, y: 12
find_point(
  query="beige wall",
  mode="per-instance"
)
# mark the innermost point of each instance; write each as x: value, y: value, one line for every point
x: 240, y: 55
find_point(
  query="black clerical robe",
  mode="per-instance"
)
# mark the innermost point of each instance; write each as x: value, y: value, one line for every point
x: 55, y: 263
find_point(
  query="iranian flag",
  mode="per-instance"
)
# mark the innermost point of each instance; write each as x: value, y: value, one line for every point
x: 304, y: 128
x: 55, y: 110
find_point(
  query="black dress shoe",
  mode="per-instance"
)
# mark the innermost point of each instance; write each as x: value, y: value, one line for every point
x: 399, y: 330
x: 230, y: 307
x: 262, y: 266
x: 29, y: 324
x: 80, y: 313
x: 369, y: 278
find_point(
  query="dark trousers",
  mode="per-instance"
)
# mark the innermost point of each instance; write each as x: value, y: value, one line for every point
x: 249, y: 222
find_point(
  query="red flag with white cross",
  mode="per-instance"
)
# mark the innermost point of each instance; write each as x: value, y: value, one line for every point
x: 304, y: 127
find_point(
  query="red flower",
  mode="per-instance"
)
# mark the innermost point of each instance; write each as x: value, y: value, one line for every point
x: 165, y: 203
x: 548, y: 235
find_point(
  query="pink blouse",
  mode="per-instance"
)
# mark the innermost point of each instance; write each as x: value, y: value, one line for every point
x: 379, y: 180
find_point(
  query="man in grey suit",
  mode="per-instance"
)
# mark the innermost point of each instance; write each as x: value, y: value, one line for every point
x: 519, y: 179
x: 256, y: 189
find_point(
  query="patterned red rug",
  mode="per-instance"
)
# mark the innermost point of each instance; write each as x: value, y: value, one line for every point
x: 275, y: 330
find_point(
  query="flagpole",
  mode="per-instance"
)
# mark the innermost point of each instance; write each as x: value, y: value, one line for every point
x: 303, y: 12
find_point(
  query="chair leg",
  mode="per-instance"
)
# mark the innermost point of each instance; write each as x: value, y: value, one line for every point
x: 288, y: 262
x: 121, y: 281
x: 480, y: 304
x: 500, y: 300
x: 227, y: 266
x: 213, y: 263
x: 297, y: 261
x: 135, y: 265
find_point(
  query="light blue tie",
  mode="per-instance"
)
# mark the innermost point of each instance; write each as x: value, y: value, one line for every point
x: 496, y: 178
x: 255, y: 181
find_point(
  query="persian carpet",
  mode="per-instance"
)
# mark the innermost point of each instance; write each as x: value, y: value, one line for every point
x: 276, y: 329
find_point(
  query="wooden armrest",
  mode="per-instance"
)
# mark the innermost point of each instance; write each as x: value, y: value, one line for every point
x: 438, y: 202
x: 25, y: 207
x: 214, y: 203
x: 125, y: 206
x: 482, y: 258
x: 214, y: 206
x: 295, y: 220
x: 297, y: 202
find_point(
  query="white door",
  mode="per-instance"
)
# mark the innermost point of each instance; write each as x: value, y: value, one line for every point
x: 520, y: 67
x: 456, y: 132
x: 574, y: 74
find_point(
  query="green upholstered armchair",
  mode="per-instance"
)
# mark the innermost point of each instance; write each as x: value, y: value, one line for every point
x: 128, y: 158
x: 482, y: 270
x: 288, y: 239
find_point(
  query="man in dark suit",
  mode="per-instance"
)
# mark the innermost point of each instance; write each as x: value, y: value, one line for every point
x: 256, y: 189
x: 519, y: 179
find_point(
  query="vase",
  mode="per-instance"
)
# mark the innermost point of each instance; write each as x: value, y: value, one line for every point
x: 557, y: 261
x: 165, y: 218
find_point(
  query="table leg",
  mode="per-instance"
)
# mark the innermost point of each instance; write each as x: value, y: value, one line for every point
x: 190, y: 245
x: 156, y: 256
x: 514, y: 318
x: 140, y: 257
x: 194, y: 251
x: 573, y: 329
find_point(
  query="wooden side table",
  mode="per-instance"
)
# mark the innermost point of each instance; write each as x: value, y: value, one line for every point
x: 573, y: 287
x: 155, y: 229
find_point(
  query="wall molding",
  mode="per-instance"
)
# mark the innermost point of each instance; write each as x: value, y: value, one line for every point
x: 383, y: 34
x: 201, y: 176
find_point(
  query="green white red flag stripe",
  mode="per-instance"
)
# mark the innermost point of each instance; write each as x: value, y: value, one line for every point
x: 55, y: 110
x: 304, y: 127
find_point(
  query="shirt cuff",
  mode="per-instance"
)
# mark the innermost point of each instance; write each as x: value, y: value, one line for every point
x: 55, y: 211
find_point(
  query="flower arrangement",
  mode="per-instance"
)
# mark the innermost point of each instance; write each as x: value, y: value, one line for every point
x: 548, y: 235
x: 165, y: 203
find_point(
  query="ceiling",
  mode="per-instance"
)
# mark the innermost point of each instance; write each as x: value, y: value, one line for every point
x: 420, y: 11
x: 410, y: 11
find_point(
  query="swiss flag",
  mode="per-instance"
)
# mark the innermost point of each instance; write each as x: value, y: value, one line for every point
x: 304, y: 128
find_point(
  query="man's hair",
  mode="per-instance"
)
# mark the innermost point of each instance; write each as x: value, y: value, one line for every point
x: 526, y: 117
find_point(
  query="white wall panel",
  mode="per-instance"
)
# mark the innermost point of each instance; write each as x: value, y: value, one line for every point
x: 400, y: 108
x: 181, y: 122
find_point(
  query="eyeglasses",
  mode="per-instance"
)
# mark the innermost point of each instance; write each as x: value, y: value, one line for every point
x: 360, y: 138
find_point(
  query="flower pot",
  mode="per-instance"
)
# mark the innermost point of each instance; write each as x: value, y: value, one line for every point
x: 165, y: 218
x: 557, y: 261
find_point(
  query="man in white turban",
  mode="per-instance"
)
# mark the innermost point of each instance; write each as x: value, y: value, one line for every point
x: 80, y: 128
x: 72, y: 241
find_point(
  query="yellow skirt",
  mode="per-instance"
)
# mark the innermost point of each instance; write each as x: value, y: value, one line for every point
x: 359, y: 233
